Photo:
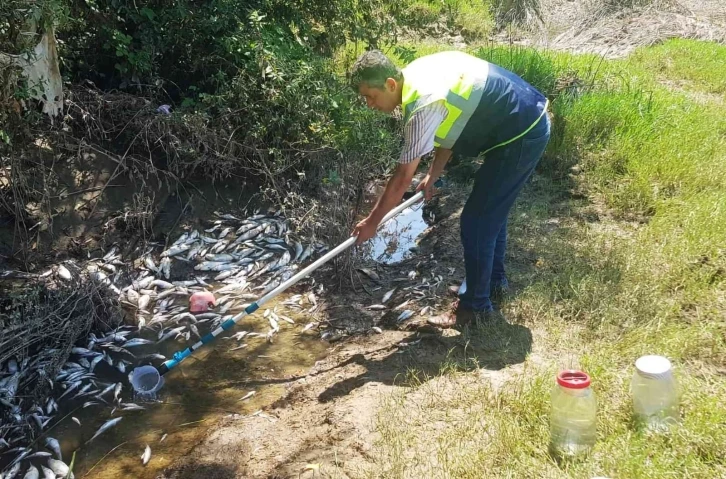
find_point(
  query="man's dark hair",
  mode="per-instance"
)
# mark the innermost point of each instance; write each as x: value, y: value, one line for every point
x: 373, y: 68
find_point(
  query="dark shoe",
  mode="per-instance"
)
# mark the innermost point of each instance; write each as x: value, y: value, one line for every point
x: 457, y: 316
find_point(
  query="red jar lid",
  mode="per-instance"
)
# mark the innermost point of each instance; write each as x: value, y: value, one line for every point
x: 572, y: 379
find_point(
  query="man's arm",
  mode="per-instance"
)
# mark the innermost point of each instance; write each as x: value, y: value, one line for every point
x: 391, y: 196
x: 441, y: 157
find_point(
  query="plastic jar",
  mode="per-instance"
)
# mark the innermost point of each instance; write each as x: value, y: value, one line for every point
x: 573, y: 418
x: 655, y: 393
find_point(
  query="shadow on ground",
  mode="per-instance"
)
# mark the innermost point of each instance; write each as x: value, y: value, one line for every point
x: 206, y: 471
x: 485, y: 346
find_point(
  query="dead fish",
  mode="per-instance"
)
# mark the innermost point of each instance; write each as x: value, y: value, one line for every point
x: 132, y: 296
x: 273, y: 323
x: 312, y: 299
x: 285, y: 318
x: 159, y: 283
x: 402, y: 305
x: 47, y: 473
x: 298, y: 250
x: 248, y: 395
x: 405, y: 315
x: 306, y: 254
x: 241, y: 346
x: 117, y: 390
x: 388, y: 295
x: 106, y: 426
x: 32, y: 473
x: 308, y: 327
x: 377, y: 307
x: 149, y: 263
x: 165, y: 267
x: 54, y: 446
x: 129, y: 406
x: 63, y: 272
x: 214, y: 266
x: 175, y: 250
x: 144, y: 301
x: 59, y: 468
x: 424, y: 310
x: 146, y: 455
x: 412, y: 275
x: 213, y: 228
x: 163, y: 437
x: 224, y: 233
x: 13, y: 471
x: 136, y: 342
x: 76, y: 420
x: 370, y: 273
x: 377, y: 329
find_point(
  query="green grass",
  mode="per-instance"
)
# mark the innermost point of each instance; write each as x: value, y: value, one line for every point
x: 688, y: 63
x: 604, y: 291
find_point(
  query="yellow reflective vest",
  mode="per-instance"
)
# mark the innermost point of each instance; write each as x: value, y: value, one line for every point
x: 487, y: 105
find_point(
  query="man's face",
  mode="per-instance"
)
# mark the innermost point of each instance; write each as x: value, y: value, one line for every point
x: 382, y: 99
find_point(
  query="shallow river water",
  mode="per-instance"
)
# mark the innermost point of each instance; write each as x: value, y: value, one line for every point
x: 205, y: 387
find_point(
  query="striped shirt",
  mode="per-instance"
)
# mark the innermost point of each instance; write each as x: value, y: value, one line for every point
x: 420, y: 130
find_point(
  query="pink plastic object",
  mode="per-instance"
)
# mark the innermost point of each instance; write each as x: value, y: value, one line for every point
x: 201, y: 302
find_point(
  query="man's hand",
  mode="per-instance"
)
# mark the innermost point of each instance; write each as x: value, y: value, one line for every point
x: 365, y: 230
x: 427, y: 186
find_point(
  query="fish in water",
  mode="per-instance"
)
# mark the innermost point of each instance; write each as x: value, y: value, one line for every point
x: 248, y: 395
x: 146, y: 455
x: 106, y: 426
x: 54, y: 446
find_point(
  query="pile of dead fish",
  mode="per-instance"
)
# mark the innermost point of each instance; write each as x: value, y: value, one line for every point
x: 237, y: 259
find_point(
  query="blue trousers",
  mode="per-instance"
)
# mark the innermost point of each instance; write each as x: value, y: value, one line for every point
x: 484, y: 219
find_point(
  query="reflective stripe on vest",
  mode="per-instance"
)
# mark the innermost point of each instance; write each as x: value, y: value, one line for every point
x: 455, y: 78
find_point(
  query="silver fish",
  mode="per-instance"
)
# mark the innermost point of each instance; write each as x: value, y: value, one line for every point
x: 47, y: 473
x: 248, y: 395
x: 76, y: 420
x: 146, y: 455
x: 117, y: 390
x: 132, y: 407
x: 377, y: 307
x: 176, y: 249
x: 298, y: 250
x: 13, y: 471
x: 136, y: 342
x: 64, y: 273
x: 161, y: 284
x: 31, y: 473
x: 224, y: 233
x: 405, y: 315
x: 214, y: 266
x: 54, y: 446
x: 59, y: 468
x: 106, y: 426
x: 163, y: 437
x: 306, y: 253
x: 165, y: 267
x: 144, y: 301
x: 388, y: 295
x: 132, y: 296
x: 213, y: 228
x: 149, y: 263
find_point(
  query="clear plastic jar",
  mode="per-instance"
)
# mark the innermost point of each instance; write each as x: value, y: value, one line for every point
x: 655, y: 393
x: 573, y: 418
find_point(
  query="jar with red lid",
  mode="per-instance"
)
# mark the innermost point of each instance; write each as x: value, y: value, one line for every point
x: 573, y: 416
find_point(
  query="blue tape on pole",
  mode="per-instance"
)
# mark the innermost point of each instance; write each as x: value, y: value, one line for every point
x: 207, y: 338
x: 226, y: 325
x: 171, y: 364
x: 251, y: 308
x: 180, y: 355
